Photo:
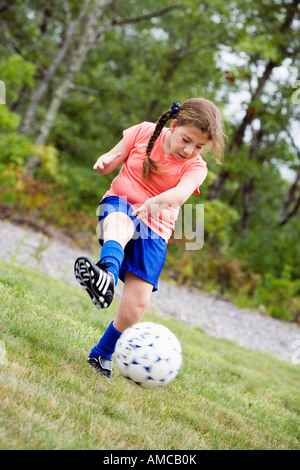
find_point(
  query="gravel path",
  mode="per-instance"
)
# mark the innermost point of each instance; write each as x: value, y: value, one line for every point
x: 216, y: 317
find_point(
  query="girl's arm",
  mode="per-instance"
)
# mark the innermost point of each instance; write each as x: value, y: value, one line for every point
x: 110, y: 160
x: 172, y: 197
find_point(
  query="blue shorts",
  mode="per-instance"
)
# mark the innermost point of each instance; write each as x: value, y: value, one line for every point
x: 145, y: 253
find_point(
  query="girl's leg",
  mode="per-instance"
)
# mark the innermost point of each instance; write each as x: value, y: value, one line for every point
x: 134, y: 301
x: 100, y: 280
x: 119, y: 227
x: 117, y: 230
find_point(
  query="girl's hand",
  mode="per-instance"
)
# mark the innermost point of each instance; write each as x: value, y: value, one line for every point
x: 141, y: 212
x: 104, y: 161
x: 149, y: 209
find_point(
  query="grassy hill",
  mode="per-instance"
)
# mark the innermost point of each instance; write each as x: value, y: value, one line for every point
x: 224, y: 397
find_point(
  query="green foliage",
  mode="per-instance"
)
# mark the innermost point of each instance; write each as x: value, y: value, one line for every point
x: 219, y: 219
x: 14, y: 149
x: 48, y: 158
x: 16, y: 72
x: 279, y: 296
x: 262, y: 45
x: 8, y: 121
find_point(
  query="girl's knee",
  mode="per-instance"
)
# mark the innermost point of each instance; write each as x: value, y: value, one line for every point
x: 134, y: 302
x: 118, y: 226
x: 130, y: 313
x: 135, y: 311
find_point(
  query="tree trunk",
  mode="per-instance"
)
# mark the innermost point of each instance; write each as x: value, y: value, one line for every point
x: 5, y: 5
x: 88, y: 38
x: 27, y: 120
x: 247, y: 191
x: 292, y: 203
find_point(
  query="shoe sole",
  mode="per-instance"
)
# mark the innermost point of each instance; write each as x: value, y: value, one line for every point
x: 85, y: 276
x: 103, y: 372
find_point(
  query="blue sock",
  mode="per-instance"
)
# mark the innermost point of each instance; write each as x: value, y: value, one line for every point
x: 112, y: 252
x: 107, y: 343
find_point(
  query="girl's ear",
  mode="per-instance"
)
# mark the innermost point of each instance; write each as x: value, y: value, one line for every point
x: 173, y: 125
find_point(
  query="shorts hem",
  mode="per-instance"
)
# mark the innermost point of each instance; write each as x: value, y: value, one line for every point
x: 122, y: 278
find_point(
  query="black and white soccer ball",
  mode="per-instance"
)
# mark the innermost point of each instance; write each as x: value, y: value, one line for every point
x: 148, y: 354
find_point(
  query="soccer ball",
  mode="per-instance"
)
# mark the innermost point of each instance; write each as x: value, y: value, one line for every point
x: 148, y: 354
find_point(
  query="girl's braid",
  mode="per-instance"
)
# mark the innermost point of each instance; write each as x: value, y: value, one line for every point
x: 149, y: 164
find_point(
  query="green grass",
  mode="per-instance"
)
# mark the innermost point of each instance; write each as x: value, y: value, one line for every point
x: 224, y: 397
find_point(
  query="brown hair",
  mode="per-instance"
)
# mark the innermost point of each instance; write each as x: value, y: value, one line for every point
x: 197, y: 112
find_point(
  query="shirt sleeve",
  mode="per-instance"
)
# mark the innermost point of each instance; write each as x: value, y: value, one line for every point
x: 136, y: 134
x: 196, y: 171
x: 130, y: 136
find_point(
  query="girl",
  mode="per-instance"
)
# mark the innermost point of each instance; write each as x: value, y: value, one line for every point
x: 162, y: 168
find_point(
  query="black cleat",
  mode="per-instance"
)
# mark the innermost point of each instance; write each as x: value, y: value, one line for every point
x: 96, y: 280
x: 103, y: 366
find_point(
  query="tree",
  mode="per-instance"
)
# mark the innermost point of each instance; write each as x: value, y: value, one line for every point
x: 5, y: 5
x: 67, y: 36
x: 291, y: 204
x: 273, y: 42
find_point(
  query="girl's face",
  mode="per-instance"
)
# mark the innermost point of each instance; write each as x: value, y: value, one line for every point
x: 185, y: 142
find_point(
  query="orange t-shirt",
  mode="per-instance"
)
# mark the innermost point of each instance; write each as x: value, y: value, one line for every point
x: 129, y: 185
